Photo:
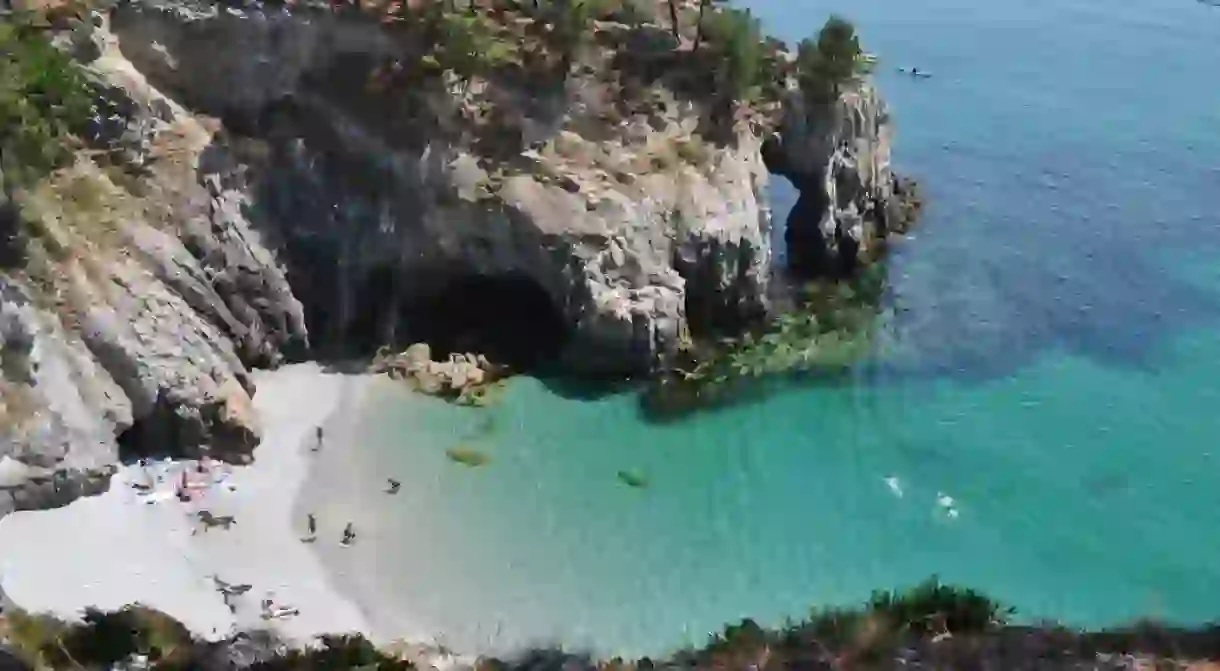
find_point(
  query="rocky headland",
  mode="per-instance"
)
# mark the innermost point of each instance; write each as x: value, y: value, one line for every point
x: 258, y: 183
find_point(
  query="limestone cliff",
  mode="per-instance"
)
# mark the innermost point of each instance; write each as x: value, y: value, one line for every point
x: 838, y: 156
x: 256, y: 170
x: 136, y: 309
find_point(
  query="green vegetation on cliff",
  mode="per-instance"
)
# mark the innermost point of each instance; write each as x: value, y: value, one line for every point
x: 825, y: 64
x: 44, y: 98
x: 830, y: 326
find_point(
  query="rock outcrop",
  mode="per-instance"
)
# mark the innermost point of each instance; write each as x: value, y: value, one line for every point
x: 838, y: 156
x: 463, y: 377
x: 130, y: 323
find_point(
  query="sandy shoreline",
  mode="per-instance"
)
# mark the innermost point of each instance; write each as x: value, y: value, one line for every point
x: 128, y: 546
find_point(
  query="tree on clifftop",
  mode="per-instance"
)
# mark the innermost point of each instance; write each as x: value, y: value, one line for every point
x: 736, y: 36
x: 827, y: 63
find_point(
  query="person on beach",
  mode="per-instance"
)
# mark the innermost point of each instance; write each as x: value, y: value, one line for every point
x: 394, y: 486
x: 349, y: 536
x: 184, y: 494
x: 318, y: 443
x: 312, y: 524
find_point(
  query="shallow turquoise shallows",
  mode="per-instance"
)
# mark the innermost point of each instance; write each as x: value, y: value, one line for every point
x: 1041, y: 420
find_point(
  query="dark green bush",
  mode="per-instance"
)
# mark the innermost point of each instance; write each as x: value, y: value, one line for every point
x: 932, y: 607
x: 736, y: 36
x: 928, y: 609
x: 335, y: 654
x: 828, y: 62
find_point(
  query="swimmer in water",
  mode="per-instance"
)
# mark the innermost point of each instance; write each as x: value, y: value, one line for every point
x: 895, y: 485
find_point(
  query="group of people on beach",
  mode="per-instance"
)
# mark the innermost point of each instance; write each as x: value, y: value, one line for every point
x: 186, y: 488
x: 311, y: 521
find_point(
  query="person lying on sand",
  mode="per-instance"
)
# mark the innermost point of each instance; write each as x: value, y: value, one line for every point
x: 229, y: 589
x: 394, y: 486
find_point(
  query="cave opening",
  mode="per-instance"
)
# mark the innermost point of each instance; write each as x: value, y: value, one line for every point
x: 509, y: 318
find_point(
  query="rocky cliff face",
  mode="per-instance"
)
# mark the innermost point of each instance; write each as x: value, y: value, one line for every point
x: 138, y: 305
x: 621, y: 235
x: 838, y: 156
x: 249, y: 178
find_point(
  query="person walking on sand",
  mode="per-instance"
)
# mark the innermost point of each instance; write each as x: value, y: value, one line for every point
x: 184, y: 494
x: 349, y: 536
x: 311, y: 525
x: 318, y: 439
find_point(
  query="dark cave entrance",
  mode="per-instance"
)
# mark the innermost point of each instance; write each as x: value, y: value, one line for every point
x: 507, y: 317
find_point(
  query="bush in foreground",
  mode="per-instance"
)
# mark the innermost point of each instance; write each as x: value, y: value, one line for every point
x: 931, y: 625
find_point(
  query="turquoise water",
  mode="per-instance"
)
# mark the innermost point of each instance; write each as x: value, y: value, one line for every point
x: 1054, y: 368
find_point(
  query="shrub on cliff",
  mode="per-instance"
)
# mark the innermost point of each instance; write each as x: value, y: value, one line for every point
x: 830, y: 61
x: 103, y: 638
x: 736, y: 35
x: 335, y: 653
x: 469, y: 45
x: 927, y: 610
x: 44, y: 97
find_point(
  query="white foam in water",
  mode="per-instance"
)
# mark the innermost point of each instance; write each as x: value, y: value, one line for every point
x: 894, y: 484
x: 947, y: 504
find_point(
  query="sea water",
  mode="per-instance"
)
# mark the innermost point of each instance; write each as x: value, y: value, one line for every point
x: 1039, y: 421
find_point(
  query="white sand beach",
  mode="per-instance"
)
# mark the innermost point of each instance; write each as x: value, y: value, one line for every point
x: 129, y: 546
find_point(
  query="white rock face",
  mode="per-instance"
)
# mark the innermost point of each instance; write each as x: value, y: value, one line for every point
x: 838, y: 156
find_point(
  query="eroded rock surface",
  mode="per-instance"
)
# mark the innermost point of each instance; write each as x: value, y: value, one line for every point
x: 838, y: 156
x: 129, y: 326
